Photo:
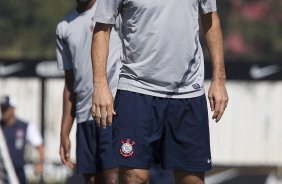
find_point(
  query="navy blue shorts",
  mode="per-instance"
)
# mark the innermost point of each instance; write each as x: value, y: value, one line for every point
x: 94, y: 150
x: 21, y: 175
x: 173, y: 131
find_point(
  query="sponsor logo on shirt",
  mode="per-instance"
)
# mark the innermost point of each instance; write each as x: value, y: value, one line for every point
x: 196, y: 86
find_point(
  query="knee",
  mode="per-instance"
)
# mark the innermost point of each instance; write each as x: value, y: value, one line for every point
x: 89, y: 179
x: 189, y: 177
x: 111, y: 177
x: 134, y: 176
x: 111, y: 181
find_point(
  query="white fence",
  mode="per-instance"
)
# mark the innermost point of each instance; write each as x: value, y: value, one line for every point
x: 250, y: 132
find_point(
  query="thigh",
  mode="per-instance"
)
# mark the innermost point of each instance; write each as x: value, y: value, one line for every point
x: 89, y: 178
x: 189, y: 177
x: 158, y: 175
x: 186, y: 145
x: 106, y: 177
x: 133, y: 176
x: 137, y: 129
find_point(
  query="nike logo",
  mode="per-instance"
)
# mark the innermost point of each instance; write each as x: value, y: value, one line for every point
x: 10, y: 69
x: 48, y: 69
x: 209, y: 161
x: 257, y: 72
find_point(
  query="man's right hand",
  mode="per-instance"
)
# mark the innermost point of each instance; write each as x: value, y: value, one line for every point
x: 103, y: 105
x: 65, y: 151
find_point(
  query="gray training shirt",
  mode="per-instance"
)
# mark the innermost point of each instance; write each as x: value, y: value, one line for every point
x: 74, y: 37
x: 162, y: 55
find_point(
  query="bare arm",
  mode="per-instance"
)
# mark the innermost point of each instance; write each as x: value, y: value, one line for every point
x: 68, y: 118
x: 217, y: 95
x: 102, y: 102
x: 39, y: 165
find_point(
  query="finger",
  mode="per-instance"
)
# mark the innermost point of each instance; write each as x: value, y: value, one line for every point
x: 97, y: 115
x: 67, y: 152
x: 93, y: 111
x: 211, y: 99
x: 62, y: 155
x: 216, y: 109
x: 104, y: 116
x: 220, y: 113
x: 226, y: 102
x: 113, y: 110
x: 70, y: 163
x: 110, y: 114
x: 221, y: 110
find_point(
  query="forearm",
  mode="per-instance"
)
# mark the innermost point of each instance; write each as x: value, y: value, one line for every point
x: 41, y: 152
x: 99, y: 53
x: 68, y: 107
x: 214, y: 40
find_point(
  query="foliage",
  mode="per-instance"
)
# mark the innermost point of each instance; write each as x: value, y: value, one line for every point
x: 252, y: 28
x: 255, y: 27
x: 27, y: 28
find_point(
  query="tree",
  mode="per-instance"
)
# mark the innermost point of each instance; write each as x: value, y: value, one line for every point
x: 27, y: 28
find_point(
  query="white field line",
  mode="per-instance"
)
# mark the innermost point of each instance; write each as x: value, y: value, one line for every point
x: 222, y: 176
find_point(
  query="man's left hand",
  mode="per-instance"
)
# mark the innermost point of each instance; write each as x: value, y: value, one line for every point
x: 218, y: 98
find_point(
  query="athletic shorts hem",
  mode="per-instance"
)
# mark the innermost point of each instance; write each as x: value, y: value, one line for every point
x: 86, y: 171
x: 94, y: 171
x: 135, y: 166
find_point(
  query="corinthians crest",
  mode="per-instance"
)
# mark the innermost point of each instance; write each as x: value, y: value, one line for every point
x: 126, y: 149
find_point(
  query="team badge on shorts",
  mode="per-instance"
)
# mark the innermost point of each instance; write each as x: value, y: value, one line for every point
x: 126, y: 149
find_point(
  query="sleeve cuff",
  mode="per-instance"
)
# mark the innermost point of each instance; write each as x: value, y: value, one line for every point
x: 209, y: 10
x: 105, y: 20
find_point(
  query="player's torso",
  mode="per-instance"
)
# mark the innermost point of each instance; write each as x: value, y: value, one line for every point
x: 161, y: 42
x: 161, y: 34
x: 78, y: 35
x: 165, y: 8
x: 152, y: 28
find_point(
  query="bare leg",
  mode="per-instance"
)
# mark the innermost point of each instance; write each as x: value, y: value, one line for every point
x: 134, y: 176
x: 189, y: 177
x: 89, y: 178
x: 111, y: 176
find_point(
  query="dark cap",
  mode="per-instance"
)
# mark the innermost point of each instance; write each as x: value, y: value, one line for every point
x: 6, y: 101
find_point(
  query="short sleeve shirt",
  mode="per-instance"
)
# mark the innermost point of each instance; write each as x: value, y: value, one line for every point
x: 33, y: 135
x: 73, y: 48
x: 162, y: 55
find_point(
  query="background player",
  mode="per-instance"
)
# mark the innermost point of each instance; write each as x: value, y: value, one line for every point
x: 94, y: 144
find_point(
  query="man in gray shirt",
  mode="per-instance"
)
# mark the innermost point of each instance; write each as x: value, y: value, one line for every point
x: 160, y: 105
x: 94, y: 144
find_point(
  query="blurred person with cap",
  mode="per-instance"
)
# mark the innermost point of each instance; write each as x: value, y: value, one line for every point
x: 17, y: 133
